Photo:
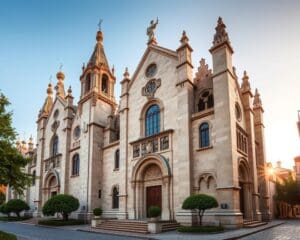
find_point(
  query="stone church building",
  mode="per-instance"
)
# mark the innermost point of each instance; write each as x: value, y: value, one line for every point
x: 174, y: 133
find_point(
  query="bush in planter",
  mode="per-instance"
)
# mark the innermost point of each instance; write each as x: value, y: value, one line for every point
x: 7, y: 236
x: 16, y: 206
x: 200, y: 202
x: 154, y: 212
x: 63, y: 204
x: 97, y: 212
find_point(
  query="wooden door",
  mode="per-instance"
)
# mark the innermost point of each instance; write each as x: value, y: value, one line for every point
x: 153, y: 197
x: 242, y: 207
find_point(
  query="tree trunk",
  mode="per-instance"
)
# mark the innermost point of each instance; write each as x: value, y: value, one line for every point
x: 200, y: 216
x: 65, y: 216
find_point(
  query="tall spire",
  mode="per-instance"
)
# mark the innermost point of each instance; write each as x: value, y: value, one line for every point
x: 245, y: 83
x: 257, y: 101
x: 48, y: 102
x: 98, y: 57
x: 221, y: 35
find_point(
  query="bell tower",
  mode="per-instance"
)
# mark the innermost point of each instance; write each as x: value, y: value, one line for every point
x: 97, y: 79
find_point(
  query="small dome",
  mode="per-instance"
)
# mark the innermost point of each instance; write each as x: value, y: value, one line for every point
x: 60, y: 75
x: 49, y: 89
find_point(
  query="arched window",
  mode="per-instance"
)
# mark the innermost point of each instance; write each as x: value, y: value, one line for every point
x: 206, y: 100
x: 152, y: 121
x: 87, y: 83
x: 104, y: 84
x: 204, y: 135
x: 33, y: 177
x: 115, y: 198
x: 75, y: 165
x: 55, y: 145
x: 117, y: 159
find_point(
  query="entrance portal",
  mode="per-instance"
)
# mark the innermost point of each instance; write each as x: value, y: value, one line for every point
x: 153, y: 197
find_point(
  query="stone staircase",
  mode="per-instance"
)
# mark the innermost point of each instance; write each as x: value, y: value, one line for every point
x: 253, y: 223
x: 124, y: 226
x: 169, y: 226
x: 134, y: 226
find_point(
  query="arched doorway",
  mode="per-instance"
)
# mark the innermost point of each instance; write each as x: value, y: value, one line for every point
x: 51, y: 185
x: 245, y: 193
x: 151, y: 186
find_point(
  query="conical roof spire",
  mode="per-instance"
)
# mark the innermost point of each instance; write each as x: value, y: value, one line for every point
x: 245, y: 83
x: 48, y: 102
x: 98, y: 57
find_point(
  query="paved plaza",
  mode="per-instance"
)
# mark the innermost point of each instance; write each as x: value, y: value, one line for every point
x: 273, y: 231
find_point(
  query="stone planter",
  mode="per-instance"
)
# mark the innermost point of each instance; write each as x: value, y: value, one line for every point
x: 96, y: 221
x: 154, y: 226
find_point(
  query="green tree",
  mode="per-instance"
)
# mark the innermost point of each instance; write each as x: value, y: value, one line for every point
x: 200, y: 202
x: 16, y: 206
x: 4, y: 209
x: 288, y: 191
x: 2, y: 197
x: 63, y: 204
x: 11, y: 161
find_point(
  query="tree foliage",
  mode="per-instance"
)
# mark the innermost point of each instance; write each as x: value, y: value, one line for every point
x: 16, y: 206
x: 200, y: 202
x: 154, y: 211
x: 11, y: 161
x: 2, y: 197
x: 288, y: 191
x: 63, y: 204
x: 4, y: 209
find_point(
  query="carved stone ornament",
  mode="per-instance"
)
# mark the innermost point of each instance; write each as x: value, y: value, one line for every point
x: 54, y: 126
x: 150, y: 88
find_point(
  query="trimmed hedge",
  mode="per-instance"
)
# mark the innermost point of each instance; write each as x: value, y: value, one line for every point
x: 200, y: 229
x: 7, y: 236
x: 154, y: 211
x: 97, y: 211
x: 13, y: 219
x: 16, y: 206
x: 58, y: 222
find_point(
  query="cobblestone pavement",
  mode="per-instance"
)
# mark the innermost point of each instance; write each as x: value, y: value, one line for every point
x: 287, y: 231
x: 31, y: 232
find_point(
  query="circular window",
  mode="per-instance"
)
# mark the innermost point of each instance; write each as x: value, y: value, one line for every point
x: 55, y: 115
x: 238, y: 112
x: 77, y: 132
x: 151, y: 70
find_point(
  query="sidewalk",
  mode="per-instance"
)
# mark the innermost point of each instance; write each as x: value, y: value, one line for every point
x: 174, y: 235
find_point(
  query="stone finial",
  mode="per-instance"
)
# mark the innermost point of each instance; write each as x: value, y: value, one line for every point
x: 184, y: 38
x: 203, y: 71
x: 60, y: 90
x: 30, y: 143
x: 245, y: 83
x: 83, y: 67
x: 70, y: 91
x: 49, y: 90
x: 126, y: 73
x: 257, y: 101
x: 221, y: 35
x: 99, y: 37
x: 113, y: 70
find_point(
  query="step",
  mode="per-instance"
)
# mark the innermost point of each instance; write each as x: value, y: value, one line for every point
x: 123, y: 229
x: 255, y: 224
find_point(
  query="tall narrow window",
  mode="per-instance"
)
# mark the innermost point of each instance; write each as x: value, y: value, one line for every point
x: 75, y: 165
x: 33, y: 177
x: 104, y: 84
x: 117, y: 159
x: 88, y: 83
x: 115, y: 196
x: 204, y: 135
x: 152, y: 122
x: 55, y: 145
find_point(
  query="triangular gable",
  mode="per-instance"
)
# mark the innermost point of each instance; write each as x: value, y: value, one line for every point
x: 57, y: 98
x: 160, y: 50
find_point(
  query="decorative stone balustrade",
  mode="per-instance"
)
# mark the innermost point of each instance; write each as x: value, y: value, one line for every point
x: 52, y: 162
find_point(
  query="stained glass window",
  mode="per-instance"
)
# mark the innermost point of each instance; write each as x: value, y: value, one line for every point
x: 204, y: 135
x: 152, y: 123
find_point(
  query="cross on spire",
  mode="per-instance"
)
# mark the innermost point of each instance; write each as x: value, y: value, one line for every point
x: 100, y: 23
x: 60, y: 66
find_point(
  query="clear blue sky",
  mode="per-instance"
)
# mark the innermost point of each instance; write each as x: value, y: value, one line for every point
x: 36, y: 36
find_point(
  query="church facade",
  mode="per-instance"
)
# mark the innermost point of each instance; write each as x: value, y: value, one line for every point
x: 173, y: 134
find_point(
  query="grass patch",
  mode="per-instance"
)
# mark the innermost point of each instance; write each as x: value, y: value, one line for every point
x: 7, y: 236
x: 13, y: 219
x: 58, y: 222
x: 200, y: 229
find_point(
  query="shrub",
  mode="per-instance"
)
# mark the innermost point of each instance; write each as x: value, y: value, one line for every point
x: 199, y: 229
x: 7, y: 236
x: 154, y: 212
x: 97, y: 211
x: 16, y: 206
x: 200, y: 202
x: 2, y: 198
x: 4, y: 209
x: 63, y: 204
